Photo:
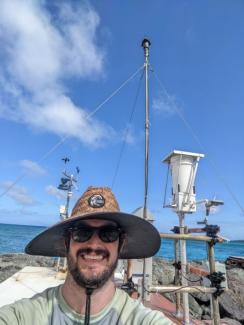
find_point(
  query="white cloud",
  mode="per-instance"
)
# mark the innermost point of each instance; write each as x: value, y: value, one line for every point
x: 40, y: 51
x: 54, y: 191
x: 30, y: 44
x: 18, y: 193
x: 42, y: 48
x: 165, y: 105
x: 128, y: 136
x: 32, y: 167
x: 60, y: 116
x: 79, y: 30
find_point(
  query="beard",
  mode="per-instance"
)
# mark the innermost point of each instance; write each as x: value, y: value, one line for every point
x: 93, y: 281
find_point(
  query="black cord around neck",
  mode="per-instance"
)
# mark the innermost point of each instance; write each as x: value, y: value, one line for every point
x: 88, y: 305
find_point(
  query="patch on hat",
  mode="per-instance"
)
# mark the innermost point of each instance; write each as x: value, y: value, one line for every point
x: 96, y: 201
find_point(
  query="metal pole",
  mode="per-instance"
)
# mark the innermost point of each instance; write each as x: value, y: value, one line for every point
x: 177, y: 277
x: 195, y: 289
x: 146, y: 44
x: 191, y: 237
x: 69, y: 195
x: 183, y: 270
x: 129, y: 269
x: 215, y: 303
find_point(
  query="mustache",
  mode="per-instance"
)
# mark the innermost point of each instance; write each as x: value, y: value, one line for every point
x: 89, y: 250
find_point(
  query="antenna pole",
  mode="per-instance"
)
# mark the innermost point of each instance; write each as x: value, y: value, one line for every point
x: 184, y: 282
x: 69, y: 195
x: 146, y: 44
x: 66, y: 184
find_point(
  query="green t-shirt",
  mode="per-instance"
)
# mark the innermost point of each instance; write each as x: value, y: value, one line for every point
x: 50, y: 308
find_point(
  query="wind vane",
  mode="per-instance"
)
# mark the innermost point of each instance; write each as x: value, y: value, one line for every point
x: 67, y: 183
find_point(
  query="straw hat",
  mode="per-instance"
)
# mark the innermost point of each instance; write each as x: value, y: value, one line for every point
x: 142, y: 238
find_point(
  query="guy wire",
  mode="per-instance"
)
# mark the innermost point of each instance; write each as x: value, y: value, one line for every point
x: 127, y: 131
x: 214, y: 166
x: 59, y: 143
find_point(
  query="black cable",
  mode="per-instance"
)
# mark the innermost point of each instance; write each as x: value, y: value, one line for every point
x: 199, y: 280
x: 88, y: 306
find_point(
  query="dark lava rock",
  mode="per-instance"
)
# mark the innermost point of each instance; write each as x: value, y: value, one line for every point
x: 163, y: 272
x: 206, y: 312
x: 202, y: 298
x: 230, y: 321
x: 12, y: 263
x: 206, y: 317
x: 231, y: 302
x: 230, y: 307
x: 196, y: 280
x: 196, y: 310
x: 235, y: 278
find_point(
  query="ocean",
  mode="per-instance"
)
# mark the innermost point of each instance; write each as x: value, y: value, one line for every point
x: 13, y: 239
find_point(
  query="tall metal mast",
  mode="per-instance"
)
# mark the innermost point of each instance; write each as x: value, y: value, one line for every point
x: 146, y: 44
x: 67, y: 183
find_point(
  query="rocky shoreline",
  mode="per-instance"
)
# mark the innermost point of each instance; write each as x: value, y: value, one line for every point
x: 14, y: 262
x: 231, y: 302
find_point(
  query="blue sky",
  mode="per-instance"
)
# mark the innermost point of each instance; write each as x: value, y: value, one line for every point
x: 60, y: 60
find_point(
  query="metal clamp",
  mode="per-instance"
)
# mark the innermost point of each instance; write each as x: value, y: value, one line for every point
x: 177, y: 265
x: 129, y: 287
x: 216, y: 278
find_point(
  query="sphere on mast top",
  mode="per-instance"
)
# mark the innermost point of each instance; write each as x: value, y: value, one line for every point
x: 146, y: 43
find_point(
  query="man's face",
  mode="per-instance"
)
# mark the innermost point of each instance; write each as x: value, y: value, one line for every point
x: 92, y: 263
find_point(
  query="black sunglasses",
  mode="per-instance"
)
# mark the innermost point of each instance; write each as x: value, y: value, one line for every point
x: 107, y: 233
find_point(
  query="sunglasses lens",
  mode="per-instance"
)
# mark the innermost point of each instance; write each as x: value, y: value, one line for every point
x: 82, y: 234
x: 109, y: 234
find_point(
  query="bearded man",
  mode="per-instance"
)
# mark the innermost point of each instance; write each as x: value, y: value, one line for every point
x: 92, y: 239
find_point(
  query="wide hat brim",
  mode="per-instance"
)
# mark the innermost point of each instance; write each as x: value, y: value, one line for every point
x: 142, y: 238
